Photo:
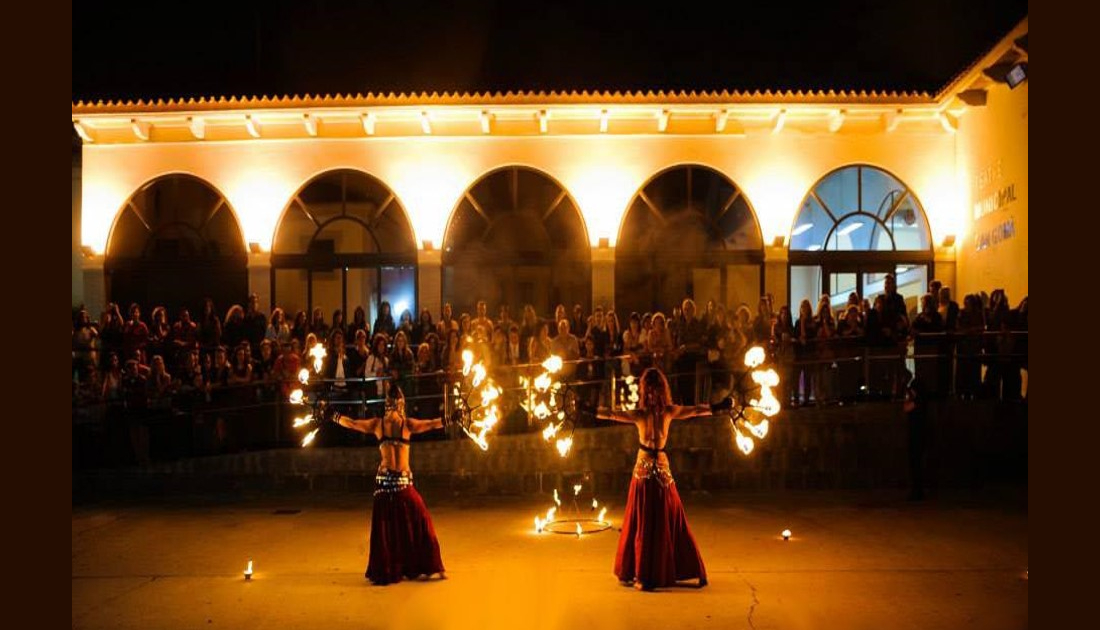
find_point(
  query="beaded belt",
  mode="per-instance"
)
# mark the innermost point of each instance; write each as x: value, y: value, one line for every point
x: 392, y: 481
x: 650, y: 469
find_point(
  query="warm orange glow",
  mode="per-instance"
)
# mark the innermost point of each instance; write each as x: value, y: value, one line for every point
x: 744, y: 443
x: 297, y: 397
x: 564, y: 445
x: 308, y: 439
x: 318, y: 353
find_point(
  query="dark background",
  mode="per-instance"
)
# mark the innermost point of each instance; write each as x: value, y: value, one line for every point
x: 124, y: 50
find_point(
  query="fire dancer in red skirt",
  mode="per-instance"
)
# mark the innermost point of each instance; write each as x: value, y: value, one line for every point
x: 402, y: 539
x: 656, y: 548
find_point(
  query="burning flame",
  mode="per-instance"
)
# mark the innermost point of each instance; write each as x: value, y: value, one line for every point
x: 308, y: 439
x: 595, y: 504
x: 760, y: 429
x: 744, y: 443
x: 550, y: 431
x: 303, y: 376
x: 296, y: 397
x: 553, y: 364
x: 564, y: 445
x: 754, y: 357
x: 467, y: 361
x: 479, y: 374
x: 301, y: 422
x: 557, y: 500
x: 577, y: 489
x: 603, y: 513
x: 786, y: 534
x: 318, y: 353
x: 539, y: 524
x: 550, y: 514
x: 542, y: 382
x: 579, y: 530
x: 248, y: 569
x: 484, y: 417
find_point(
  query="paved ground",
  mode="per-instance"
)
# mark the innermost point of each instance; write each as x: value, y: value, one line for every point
x: 855, y: 561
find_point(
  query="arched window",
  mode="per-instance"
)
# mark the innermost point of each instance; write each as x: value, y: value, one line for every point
x: 175, y: 243
x: 344, y: 241
x: 689, y: 232
x: 857, y: 224
x: 516, y: 238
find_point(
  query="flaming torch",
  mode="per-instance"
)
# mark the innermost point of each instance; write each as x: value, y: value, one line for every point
x: 476, y: 399
x: 549, y: 401
x: 298, y: 396
x: 755, y: 403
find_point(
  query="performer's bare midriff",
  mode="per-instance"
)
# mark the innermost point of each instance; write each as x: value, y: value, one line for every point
x: 656, y: 547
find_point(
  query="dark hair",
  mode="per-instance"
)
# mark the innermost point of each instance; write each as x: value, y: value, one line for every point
x: 393, y: 394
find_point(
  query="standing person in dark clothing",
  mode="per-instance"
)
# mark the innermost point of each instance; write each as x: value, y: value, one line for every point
x: 233, y: 332
x: 692, y: 352
x: 384, y: 323
x: 579, y: 324
x: 894, y: 321
x: 255, y: 324
x: 916, y: 413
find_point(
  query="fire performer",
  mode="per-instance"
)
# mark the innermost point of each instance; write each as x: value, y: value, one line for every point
x: 402, y: 538
x: 656, y: 548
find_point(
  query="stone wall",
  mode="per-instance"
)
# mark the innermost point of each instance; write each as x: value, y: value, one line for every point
x: 850, y: 447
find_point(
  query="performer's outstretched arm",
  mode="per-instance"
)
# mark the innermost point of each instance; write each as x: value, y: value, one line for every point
x: 365, y: 425
x: 625, y: 417
x: 420, y: 426
x: 700, y: 411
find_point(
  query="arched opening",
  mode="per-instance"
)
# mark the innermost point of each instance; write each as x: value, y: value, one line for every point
x: 175, y: 243
x: 344, y: 241
x: 689, y: 232
x: 516, y: 238
x: 857, y: 224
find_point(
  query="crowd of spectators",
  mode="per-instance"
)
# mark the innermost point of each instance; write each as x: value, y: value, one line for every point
x: 133, y: 367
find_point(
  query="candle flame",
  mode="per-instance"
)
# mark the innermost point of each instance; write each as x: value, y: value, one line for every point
x: 248, y: 569
x: 303, y: 376
x: 579, y: 531
x: 577, y: 489
x: 296, y: 397
x: 603, y: 514
x: 786, y: 534
x: 595, y: 504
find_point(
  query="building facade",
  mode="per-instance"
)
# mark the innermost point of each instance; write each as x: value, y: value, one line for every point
x: 627, y: 200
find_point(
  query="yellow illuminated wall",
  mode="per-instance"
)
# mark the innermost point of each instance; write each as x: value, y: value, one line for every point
x: 602, y: 173
x: 992, y: 163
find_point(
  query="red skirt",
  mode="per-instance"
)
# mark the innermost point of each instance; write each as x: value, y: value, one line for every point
x: 656, y: 547
x: 402, y: 539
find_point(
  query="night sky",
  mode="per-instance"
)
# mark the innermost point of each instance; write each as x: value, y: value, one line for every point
x: 125, y: 50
